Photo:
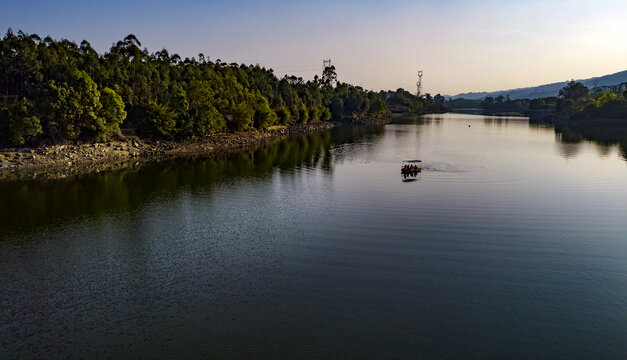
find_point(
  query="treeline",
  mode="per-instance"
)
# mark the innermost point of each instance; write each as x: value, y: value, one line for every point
x: 500, y: 104
x: 58, y: 91
x: 402, y: 101
x: 491, y: 105
x: 575, y: 101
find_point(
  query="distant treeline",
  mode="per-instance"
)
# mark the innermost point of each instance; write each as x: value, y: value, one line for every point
x: 402, y: 101
x: 57, y: 91
x: 575, y: 101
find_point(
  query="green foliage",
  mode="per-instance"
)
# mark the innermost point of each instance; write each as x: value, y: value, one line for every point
x: 243, y: 115
x: 177, y: 101
x: 605, y: 98
x: 329, y: 76
x: 378, y: 109
x: 573, y: 103
x: 462, y: 103
x: 112, y: 112
x: 326, y: 114
x: 162, y: 120
x: 401, y: 101
x: 573, y: 91
x: 537, y: 104
x: 202, y: 114
x: 284, y: 116
x: 76, y: 94
x: 303, y: 114
x: 337, y: 108
x: 18, y: 123
x: 74, y: 107
x: 264, y: 116
x: 501, y: 104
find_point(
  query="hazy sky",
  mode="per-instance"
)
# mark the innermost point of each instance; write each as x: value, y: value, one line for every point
x: 461, y: 45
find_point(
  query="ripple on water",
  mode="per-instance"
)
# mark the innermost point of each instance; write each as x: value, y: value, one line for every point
x: 314, y: 249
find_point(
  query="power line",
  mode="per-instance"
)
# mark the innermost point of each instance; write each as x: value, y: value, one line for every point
x: 370, y: 78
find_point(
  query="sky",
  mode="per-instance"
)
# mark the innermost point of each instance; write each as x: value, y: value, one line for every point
x: 460, y: 45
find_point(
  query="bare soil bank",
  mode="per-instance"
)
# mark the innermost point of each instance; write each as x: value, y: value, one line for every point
x: 62, y: 161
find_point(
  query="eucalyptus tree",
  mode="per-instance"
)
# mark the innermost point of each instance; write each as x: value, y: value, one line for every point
x: 55, y: 91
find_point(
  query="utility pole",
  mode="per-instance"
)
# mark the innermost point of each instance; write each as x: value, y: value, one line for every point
x: 419, y: 84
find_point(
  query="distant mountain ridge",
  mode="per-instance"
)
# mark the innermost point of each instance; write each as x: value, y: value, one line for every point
x: 547, y: 89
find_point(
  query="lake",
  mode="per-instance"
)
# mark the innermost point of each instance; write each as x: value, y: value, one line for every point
x: 512, y: 243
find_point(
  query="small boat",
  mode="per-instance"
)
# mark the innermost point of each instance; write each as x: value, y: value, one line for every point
x: 411, y: 167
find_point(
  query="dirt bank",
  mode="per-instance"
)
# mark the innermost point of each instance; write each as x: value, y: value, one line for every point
x: 61, y: 161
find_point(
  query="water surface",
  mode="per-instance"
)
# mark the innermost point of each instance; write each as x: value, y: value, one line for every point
x: 512, y: 243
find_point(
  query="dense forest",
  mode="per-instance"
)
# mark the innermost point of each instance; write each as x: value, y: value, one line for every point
x: 59, y: 91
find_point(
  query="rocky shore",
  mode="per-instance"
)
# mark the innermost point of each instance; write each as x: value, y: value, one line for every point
x: 61, y: 161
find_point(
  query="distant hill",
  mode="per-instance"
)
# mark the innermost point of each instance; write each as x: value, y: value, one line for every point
x: 547, y: 89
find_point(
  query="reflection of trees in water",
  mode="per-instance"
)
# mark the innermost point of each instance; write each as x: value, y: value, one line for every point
x: 570, y: 136
x: 495, y: 120
x: 433, y: 119
x: 32, y: 204
x: 604, y: 137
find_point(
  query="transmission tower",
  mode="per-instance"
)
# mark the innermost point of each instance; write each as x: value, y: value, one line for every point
x: 419, y: 84
x: 326, y: 63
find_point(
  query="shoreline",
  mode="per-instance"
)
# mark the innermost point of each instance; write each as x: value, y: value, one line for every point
x: 61, y: 161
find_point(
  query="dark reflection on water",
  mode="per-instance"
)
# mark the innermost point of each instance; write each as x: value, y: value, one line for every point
x: 28, y: 205
x: 508, y: 246
x: 605, y: 137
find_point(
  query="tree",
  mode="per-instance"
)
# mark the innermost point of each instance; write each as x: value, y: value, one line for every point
x: 112, y: 112
x: 18, y: 123
x: 337, y: 109
x: 605, y: 98
x: 572, y: 99
x: 264, y: 116
x: 537, y: 104
x: 161, y: 120
x: 72, y: 93
x: 75, y: 106
x: 243, y: 115
x: 284, y: 116
x: 303, y: 114
x: 378, y: 109
x: 206, y: 119
x: 329, y: 76
x: 573, y: 91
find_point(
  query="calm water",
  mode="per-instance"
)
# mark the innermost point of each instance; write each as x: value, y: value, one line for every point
x: 512, y: 244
